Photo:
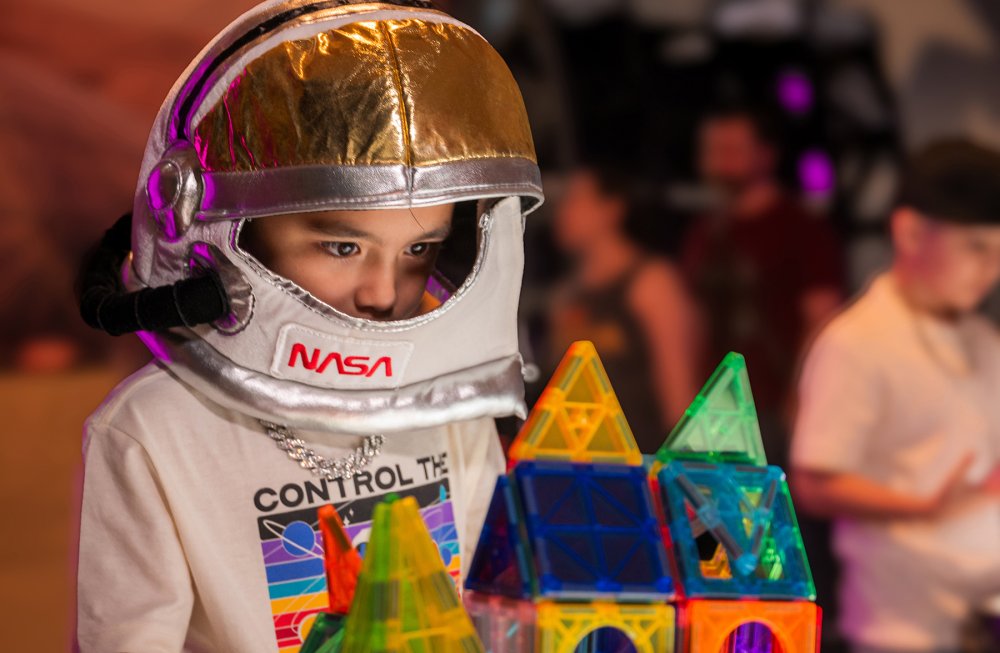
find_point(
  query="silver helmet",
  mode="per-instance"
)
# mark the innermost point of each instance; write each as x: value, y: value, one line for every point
x: 313, y: 106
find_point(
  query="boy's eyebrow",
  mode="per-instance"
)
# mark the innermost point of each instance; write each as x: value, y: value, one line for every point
x: 440, y: 232
x: 343, y: 231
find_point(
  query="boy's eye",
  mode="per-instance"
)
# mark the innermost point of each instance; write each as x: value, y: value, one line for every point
x: 342, y: 250
x: 422, y: 249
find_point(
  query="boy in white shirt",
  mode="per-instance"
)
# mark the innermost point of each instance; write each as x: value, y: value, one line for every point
x: 290, y: 270
x: 898, y: 433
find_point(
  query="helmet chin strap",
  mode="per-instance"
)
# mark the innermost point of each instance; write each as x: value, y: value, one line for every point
x: 107, y: 306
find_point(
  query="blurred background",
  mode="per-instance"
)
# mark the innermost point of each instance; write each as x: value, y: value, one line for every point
x: 718, y: 176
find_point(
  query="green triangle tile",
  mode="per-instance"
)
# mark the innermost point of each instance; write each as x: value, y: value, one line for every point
x: 326, y: 634
x: 405, y: 600
x: 721, y: 423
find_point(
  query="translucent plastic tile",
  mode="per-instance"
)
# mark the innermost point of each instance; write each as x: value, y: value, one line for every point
x: 504, y: 625
x: 572, y: 627
x: 578, y: 417
x: 751, y: 626
x: 500, y: 565
x: 341, y: 559
x: 745, y: 517
x: 406, y: 602
x: 326, y: 634
x: 593, y: 531
x: 721, y: 423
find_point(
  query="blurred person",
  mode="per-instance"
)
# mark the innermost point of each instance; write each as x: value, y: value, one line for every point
x: 898, y: 432
x: 631, y: 303
x: 766, y: 272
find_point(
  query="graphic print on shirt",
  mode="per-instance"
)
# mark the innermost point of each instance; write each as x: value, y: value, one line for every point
x: 292, y: 546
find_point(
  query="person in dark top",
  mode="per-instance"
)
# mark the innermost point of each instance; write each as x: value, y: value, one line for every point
x: 766, y: 272
x: 767, y: 275
x: 630, y: 303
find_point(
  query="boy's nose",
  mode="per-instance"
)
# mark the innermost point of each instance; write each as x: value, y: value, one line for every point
x: 376, y: 295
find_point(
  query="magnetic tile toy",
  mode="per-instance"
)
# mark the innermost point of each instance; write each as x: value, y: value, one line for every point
x: 578, y: 417
x: 341, y: 559
x: 500, y: 565
x: 405, y: 600
x: 746, y: 516
x: 326, y: 634
x: 777, y: 626
x: 593, y: 531
x: 504, y: 625
x: 721, y: 423
x: 562, y: 627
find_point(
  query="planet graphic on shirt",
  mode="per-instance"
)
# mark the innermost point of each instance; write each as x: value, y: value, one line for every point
x: 297, y: 538
x: 305, y: 626
x: 360, y: 540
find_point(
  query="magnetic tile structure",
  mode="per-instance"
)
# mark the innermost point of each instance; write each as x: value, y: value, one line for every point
x: 793, y: 626
x: 592, y: 531
x: 341, y: 559
x: 405, y: 600
x: 578, y: 417
x: 747, y: 515
x: 721, y: 423
x: 575, y: 554
x: 562, y: 627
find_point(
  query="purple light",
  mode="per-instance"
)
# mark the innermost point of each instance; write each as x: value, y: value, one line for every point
x: 157, y: 348
x: 201, y: 253
x: 816, y: 174
x: 751, y: 637
x: 208, y: 194
x: 795, y: 92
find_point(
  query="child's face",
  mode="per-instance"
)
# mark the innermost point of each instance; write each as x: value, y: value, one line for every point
x: 731, y: 154
x: 958, y: 264
x: 586, y: 215
x: 370, y: 264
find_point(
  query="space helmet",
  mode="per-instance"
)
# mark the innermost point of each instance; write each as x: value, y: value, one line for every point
x: 303, y: 106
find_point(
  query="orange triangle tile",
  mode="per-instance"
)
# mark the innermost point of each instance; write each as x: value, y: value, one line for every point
x: 341, y: 559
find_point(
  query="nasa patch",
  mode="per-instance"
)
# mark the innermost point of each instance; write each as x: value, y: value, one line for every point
x: 343, y: 363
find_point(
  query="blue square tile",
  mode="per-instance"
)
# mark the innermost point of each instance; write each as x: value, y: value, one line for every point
x: 592, y: 530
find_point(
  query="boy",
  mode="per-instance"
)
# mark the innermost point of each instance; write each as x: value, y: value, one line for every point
x: 898, y: 432
x: 319, y: 161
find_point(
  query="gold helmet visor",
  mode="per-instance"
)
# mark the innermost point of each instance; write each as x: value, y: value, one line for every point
x: 375, y: 113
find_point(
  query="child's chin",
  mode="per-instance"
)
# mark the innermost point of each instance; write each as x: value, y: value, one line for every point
x: 967, y: 303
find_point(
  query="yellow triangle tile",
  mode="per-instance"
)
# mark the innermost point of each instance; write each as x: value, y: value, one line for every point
x: 581, y: 405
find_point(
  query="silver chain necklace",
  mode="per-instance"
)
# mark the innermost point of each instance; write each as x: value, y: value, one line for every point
x: 345, y: 467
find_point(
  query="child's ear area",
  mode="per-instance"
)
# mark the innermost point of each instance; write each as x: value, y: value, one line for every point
x: 251, y: 240
x: 267, y: 238
x: 909, y: 229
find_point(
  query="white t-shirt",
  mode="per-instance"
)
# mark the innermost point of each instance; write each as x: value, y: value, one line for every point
x: 198, y: 534
x: 901, y: 399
